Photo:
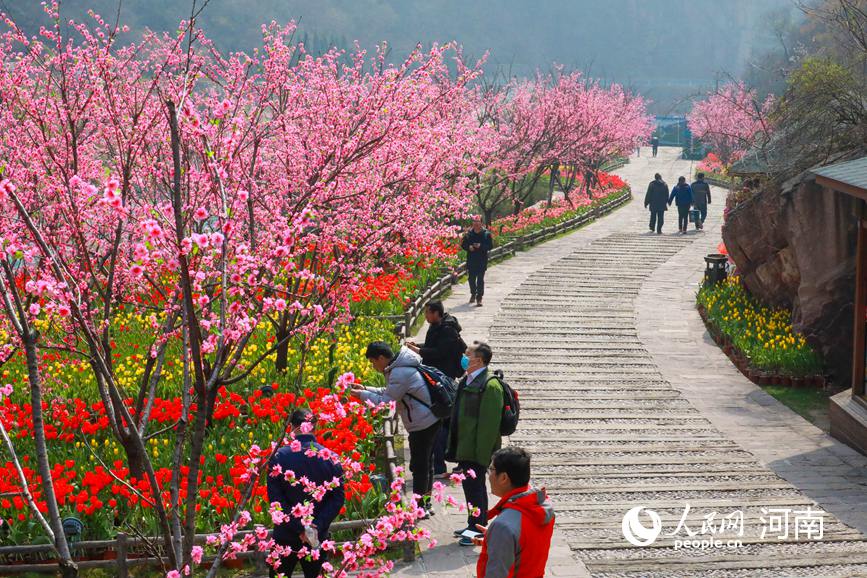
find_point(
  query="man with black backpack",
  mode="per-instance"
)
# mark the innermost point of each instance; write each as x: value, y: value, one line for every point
x: 408, y: 386
x: 443, y: 348
x: 474, y: 434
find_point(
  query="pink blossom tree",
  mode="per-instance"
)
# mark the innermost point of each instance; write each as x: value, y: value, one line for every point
x: 731, y: 120
x: 238, y: 194
x: 533, y: 127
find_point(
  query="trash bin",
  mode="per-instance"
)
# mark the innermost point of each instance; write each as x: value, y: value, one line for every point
x: 716, y: 270
x: 73, y: 528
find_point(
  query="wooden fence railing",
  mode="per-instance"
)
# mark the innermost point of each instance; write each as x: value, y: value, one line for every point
x: 125, y: 552
x: 735, y: 183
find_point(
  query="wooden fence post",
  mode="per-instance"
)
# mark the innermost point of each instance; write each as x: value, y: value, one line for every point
x: 122, y: 571
x: 261, y: 566
x: 407, y: 323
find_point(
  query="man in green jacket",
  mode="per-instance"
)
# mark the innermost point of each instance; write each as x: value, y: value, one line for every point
x: 474, y: 434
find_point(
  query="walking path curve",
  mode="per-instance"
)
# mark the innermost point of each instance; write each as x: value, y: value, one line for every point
x: 626, y: 402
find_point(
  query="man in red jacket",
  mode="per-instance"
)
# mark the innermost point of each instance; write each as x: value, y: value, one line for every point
x: 516, y: 542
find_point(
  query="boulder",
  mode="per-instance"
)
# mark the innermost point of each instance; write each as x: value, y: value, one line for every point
x: 794, y: 246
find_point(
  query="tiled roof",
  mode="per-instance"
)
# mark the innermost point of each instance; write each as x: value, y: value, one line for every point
x: 852, y: 173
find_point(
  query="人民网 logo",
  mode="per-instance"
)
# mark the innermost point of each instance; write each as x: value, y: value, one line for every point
x: 636, y: 532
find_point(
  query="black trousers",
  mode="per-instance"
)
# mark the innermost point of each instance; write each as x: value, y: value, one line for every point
x: 439, y: 449
x: 683, y: 217
x: 476, y: 275
x: 656, y: 220
x: 421, y: 444
x: 703, y: 211
x: 476, y: 493
x: 311, y: 568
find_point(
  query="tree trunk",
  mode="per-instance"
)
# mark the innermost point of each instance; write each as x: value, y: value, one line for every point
x: 68, y: 568
x: 134, y: 457
x: 488, y: 214
x: 282, y: 362
x: 555, y: 171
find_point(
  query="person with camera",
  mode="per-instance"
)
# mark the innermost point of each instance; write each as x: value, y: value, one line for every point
x: 292, y: 532
x: 477, y: 242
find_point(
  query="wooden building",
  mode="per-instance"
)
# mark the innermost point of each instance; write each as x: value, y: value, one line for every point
x: 848, y: 410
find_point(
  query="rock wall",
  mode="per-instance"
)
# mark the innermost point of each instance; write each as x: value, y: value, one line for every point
x: 794, y: 246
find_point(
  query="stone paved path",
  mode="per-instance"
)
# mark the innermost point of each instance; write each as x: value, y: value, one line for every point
x: 597, y: 332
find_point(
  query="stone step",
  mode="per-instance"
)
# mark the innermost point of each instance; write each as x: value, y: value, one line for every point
x: 604, y: 465
x: 723, y: 505
x: 567, y: 397
x: 607, y: 487
x: 613, y: 417
x: 761, y: 562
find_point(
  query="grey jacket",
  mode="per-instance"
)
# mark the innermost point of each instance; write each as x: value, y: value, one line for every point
x: 405, y: 387
x: 700, y: 194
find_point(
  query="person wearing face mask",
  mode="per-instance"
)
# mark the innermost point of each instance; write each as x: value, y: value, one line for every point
x: 474, y: 434
x: 443, y: 348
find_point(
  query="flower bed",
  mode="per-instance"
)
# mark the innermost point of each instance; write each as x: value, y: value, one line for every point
x: 533, y: 219
x: 93, y: 483
x: 715, y: 172
x: 760, y: 339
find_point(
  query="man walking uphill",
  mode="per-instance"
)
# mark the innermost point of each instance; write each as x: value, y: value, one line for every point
x: 700, y: 198
x: 656, y: 200
x: 681, y: 194
x: 288, y: 493
x: 475, y: 432
x: 477, y: 242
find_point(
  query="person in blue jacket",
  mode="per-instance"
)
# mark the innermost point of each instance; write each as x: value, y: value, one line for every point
x: 320, y: 471
x: 681, y: 194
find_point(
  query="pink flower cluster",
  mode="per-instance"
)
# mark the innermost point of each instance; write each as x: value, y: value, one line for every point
x: 731, y: 120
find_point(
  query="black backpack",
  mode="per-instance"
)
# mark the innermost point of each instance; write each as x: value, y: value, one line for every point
x: 511, y: 405
x: 441, y: 388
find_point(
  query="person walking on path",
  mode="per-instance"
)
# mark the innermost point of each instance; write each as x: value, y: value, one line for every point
x: 701, y: 198
x: 477, y: 242
x: 656, y: 199
x: 654, y: 142
x: 516, y: 543
x: 407, y: 388
x: 292, y: 533
x: 475, y: 432
x: 444, y: 349
x: 681, y: 194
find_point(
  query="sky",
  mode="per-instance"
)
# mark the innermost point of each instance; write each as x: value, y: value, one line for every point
x: 669, y: 50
